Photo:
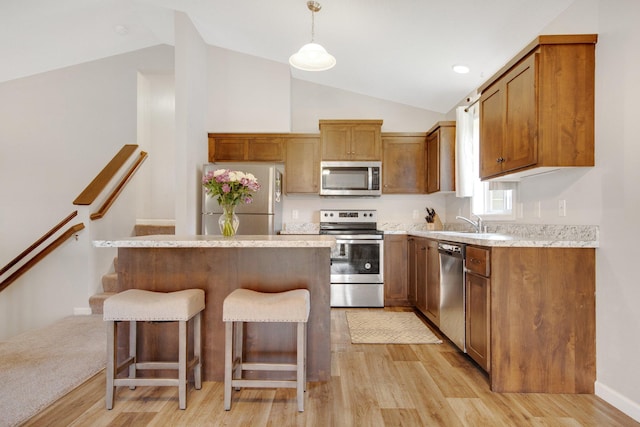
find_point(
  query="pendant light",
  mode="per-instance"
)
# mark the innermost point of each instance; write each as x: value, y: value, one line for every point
x: 312, y: 56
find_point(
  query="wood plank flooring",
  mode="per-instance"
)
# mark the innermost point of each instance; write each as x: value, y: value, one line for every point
x: 371, y: 385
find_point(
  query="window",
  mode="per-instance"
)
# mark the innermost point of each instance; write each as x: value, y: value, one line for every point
x: 494, y: 203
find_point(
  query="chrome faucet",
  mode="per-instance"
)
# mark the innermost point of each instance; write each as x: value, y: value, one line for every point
x: 477, y: 225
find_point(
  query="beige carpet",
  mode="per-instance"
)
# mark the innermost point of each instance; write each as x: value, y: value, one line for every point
x: 38, y: 367
x: 388, y: 327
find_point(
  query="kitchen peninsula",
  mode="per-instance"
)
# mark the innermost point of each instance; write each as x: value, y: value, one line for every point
x: 219, y: 265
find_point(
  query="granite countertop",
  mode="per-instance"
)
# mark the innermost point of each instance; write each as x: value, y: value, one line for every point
x: 501, y: 234
x: 507, y: 240
x: 199, y: 241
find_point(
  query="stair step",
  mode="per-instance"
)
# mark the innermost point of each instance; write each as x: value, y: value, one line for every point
x: 110, y: 282
x: 146, y: 230
x: 96, y: 301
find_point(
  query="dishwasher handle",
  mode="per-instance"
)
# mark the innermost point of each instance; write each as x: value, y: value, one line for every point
x: 451, y: 249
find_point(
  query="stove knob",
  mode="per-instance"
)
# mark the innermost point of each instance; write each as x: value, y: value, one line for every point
x: 367, y: 266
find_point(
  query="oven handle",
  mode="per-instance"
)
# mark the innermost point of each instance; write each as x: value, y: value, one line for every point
x: 360, y: 241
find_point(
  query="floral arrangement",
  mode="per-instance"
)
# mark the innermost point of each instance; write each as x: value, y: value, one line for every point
x: 231, y: 187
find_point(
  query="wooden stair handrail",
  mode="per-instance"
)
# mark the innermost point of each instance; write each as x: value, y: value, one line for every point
x: 38, y: 242
x: 95, y: 187
x: 40, y: 255
x: 116, y: 191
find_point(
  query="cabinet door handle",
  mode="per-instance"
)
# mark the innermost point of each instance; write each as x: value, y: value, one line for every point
x: 474, y: 261
x: 499, y: 160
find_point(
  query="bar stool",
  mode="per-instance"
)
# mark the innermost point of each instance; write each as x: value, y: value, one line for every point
x: 244, y: 305
x: 135, y: 305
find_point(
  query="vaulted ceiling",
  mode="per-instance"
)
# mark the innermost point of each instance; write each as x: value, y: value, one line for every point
x: 397, y: 50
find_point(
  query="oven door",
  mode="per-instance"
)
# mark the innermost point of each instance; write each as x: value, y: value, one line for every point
x: 357, y: 260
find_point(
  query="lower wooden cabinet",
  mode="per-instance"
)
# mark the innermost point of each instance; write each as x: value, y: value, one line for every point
x: 478, y: 290
x: 417, y: 272
x: 395, y: 270
x: 412, y: 271
x: 478, y: 305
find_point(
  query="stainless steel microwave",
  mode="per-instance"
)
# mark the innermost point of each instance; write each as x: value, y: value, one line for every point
x: 350, y: 178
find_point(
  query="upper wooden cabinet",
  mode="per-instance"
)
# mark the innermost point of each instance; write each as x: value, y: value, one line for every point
x: 237, y: 147
x: 351, y: 139
x: 538, y: 111
x: 302, y: 164
x: 403, y: 160
x: 441, y: 157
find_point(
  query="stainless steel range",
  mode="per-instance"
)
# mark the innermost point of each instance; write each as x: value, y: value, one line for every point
x: 357, y: 260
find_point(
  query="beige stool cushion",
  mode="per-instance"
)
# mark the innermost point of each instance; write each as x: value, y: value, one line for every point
x: 245, y: 305
x: 136, y: 304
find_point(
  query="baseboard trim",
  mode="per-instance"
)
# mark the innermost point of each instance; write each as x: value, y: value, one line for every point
x: 618, y: 400
x: 81, y: 311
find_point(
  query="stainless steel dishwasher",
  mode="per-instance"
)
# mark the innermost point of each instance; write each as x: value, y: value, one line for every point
x: 452, y: 307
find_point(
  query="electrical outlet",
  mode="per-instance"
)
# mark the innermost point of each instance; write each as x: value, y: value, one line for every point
x: 562, y: 207
x: 536, y: 209
x: 416, y: 213
x: 294, y: 214
x: 520, y: 210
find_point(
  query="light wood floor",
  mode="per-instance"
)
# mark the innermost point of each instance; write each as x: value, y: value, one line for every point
x: 371, y: 385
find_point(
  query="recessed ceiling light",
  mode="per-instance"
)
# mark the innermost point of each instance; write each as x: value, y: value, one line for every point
x: 460, y: 69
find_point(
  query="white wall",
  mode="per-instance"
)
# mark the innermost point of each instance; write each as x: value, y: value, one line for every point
x: 59, y: 129
x: 191, y: 129
x: 618, y: 160
x: 311, y: 102
x: 606, y: 195
x: 246, y: 93
x: 156, y: 136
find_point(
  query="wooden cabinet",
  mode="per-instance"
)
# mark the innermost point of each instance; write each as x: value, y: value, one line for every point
x: 477, y: 300
x: 404, y: 163
x: 395, y: 270
x: 351, y: 139
x: 433, y: 282
x: 302, y: 164
x: 417, y: 275
x: 538, y: 111
x: 412, y: 271
x: 530, y: 319
x: 236, y: 147
x: 441, y: 157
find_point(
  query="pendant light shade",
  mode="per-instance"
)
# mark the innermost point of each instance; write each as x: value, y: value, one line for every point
x: 312, y: 56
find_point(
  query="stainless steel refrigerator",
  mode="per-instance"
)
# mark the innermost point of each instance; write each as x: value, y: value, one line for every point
x: 263, y: 215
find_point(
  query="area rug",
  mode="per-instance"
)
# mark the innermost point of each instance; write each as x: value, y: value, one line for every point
x: 40, y: 366
x: 388, y: 327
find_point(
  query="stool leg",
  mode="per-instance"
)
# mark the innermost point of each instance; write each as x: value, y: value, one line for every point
x: 182, y: 363
x: 228, y: 344
x: 238, y: 334
x: 306, y: 332
x: 133, y: 348
x: 300, y: 355
x: 197, y: 350
x: 111, y: 362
